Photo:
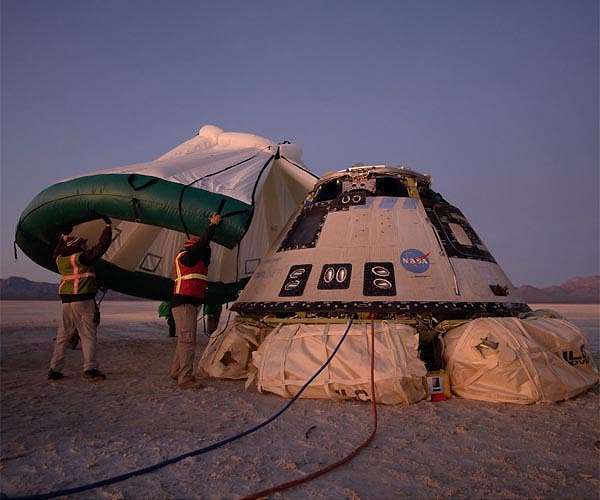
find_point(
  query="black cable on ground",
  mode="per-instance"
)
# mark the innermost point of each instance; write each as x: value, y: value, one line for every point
x: 347, y: 458
x: 194, y: 453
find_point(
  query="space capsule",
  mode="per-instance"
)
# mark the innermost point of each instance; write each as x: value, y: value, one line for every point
x: 379, y: 240
x: 375, y: 253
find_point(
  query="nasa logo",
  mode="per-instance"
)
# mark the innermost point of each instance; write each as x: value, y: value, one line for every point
x: 414, y: 260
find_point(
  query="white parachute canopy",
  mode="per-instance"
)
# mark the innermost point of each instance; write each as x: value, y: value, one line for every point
x: 228, y: 163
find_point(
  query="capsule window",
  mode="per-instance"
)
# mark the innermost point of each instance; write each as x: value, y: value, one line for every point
x: 460, y: 234
x: 328, y: 191
x: 390, y: 186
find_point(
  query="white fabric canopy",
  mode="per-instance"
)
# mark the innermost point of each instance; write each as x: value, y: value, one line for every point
x: 227, y: 163
x: 211, y: 153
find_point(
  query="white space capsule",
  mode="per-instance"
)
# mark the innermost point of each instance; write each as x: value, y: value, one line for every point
x: 378, y: 239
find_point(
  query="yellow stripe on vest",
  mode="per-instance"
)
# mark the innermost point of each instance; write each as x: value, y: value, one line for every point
x: 192, y: 277
x: 74, y: 276
x: 180, y: 278
x: 77, y: 276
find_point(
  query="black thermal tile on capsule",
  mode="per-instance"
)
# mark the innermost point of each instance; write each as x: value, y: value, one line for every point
x: 306, y: 229
x: 379, y: 279
x: 295, y: 282
x: 499, y: 290
x: 441, y: 216
x: 335, y: 276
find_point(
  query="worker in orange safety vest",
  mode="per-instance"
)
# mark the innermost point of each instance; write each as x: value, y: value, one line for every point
x: 189, y: 291
x: 77, y: 291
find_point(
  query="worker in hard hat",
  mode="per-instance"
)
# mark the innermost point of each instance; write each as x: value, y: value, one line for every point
x: 77, y: 290
x: 190, y: 274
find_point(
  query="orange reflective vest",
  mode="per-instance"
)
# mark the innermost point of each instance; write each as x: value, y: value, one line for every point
x: 76, y: 278
x: 190, y: 281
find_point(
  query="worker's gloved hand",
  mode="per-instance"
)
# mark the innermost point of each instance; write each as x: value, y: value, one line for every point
x: 107, y: 220
x: 214, y: 220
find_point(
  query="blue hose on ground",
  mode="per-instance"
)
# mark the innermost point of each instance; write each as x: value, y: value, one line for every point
x: 194, y: 453
x: 324, y: 470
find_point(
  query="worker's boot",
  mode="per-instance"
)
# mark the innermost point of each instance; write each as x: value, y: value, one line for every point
x: 94, y: 375
x: 190, y: 384
x: 54, y: 375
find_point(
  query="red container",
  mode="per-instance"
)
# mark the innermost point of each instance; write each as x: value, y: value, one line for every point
x: 437, y: 397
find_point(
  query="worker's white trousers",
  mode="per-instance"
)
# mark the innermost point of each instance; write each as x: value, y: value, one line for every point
x: 182, y: 367
x: 76, y: 316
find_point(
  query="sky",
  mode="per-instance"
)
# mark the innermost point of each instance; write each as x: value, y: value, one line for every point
x: 498, y: 101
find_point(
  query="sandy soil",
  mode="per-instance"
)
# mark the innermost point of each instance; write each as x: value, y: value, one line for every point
x: 63, y: 434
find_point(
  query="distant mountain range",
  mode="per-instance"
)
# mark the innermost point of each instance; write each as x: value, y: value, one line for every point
x: 16, y: 288
x: 575, y: 291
